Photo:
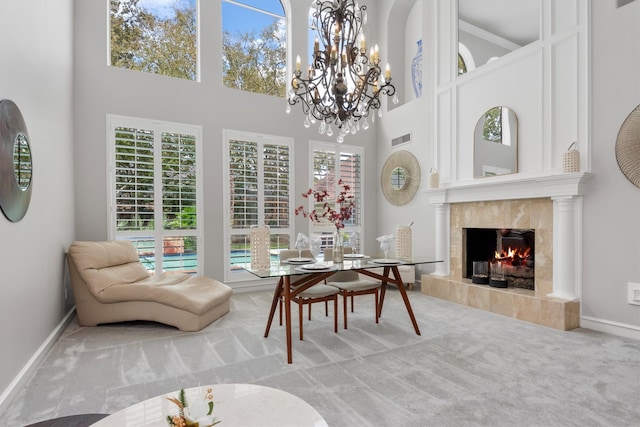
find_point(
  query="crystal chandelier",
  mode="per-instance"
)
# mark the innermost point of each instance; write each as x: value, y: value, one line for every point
x: 343, y: 83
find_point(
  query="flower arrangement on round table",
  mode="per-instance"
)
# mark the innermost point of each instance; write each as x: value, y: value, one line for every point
x: 337, y: 217
x: 198, y: 414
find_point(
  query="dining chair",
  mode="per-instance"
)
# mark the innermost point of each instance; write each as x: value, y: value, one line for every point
x: 350, y: 284
x: 316, y: 293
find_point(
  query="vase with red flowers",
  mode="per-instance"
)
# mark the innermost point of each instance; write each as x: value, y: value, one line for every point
x: 335, y: 212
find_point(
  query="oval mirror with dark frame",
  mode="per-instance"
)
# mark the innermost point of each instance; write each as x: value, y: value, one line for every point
x: 495, y: 143
x: 489, y: 29
x: 16, y: 165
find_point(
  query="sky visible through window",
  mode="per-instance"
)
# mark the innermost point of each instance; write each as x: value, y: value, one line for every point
x: 236, y: 19
x: 164, y: 8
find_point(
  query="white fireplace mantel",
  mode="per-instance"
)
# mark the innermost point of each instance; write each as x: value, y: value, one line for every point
x: 564, y: 189
x: 511, y: 188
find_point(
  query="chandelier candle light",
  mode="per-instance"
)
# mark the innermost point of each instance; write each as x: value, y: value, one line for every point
x: 343, y: 83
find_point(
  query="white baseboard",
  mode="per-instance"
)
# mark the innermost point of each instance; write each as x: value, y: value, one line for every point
x: 29, y: 368
x: 611, y: 327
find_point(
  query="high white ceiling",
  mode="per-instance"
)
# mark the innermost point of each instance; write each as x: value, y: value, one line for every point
x: 515, y: 20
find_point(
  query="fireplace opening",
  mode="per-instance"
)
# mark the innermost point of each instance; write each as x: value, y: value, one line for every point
x: 508, y: 253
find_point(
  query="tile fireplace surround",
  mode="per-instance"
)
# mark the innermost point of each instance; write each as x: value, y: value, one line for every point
x: 552, y: 206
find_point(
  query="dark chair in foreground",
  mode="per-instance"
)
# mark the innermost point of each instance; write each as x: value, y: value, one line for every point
x: 82, y: 420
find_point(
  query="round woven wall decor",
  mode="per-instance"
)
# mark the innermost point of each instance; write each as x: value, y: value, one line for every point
x: 407, y: 161
x: 628, y: 147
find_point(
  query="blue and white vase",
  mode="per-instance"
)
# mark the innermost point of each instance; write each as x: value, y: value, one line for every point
x: 416, y: 71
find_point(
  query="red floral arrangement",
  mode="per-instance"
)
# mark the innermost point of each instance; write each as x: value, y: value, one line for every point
x: 337, y: 217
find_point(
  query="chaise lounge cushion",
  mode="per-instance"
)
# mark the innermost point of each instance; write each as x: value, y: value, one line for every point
x: 111, y: 285
x: 105, y: 264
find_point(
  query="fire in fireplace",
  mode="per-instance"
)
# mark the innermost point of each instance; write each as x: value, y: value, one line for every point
x: 509, y: 254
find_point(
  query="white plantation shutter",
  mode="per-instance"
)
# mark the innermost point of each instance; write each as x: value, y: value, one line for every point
x: 244, y: 173
x: 259, y: 193
x: 155, y: 192
x: 332, y: 164
x: 351, y: 174
x: 178, y: 181
x: 277, y: 197
x: 134, y: 179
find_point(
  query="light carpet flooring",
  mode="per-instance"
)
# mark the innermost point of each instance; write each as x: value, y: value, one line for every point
x: 469, y: 367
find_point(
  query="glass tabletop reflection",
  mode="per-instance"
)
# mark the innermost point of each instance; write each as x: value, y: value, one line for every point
x: 287, y: 268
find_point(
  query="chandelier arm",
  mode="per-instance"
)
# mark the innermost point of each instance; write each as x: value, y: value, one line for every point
x: 324, y: 18
x: 388, y: 89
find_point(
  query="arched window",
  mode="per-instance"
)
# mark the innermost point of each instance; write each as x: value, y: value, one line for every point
x: 254, y: 46
x: 465, y: 60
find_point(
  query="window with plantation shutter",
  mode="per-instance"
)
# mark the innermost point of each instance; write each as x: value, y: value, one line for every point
x: 154, y: 191
x: 258, y: 192
x: 335, y: 166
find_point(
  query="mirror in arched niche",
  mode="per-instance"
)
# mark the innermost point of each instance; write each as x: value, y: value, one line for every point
x: 495, y: 143
x: 405, y: 49
x: 489, y: 29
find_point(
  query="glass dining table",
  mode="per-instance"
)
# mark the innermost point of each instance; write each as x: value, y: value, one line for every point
x: 296, y: 277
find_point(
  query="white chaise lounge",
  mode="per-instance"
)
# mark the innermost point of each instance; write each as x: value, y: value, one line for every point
x: 111, y: 285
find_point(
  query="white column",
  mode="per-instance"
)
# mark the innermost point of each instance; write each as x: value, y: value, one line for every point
x: 442, y: 239
x: 564, y: 250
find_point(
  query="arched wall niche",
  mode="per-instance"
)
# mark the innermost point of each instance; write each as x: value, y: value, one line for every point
x: 402, y: 46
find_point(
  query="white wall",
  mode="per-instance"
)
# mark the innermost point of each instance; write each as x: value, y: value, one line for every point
x: 36, y: 41
x: 414, y: 116
x: 412, y: 35
x: 612, y: 207
x: 544, y: 83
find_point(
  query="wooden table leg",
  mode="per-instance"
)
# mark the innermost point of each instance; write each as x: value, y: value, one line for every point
x: 274, y: 305
x: 383, y: 289
x: 407, y: 304
x: 287, y: 312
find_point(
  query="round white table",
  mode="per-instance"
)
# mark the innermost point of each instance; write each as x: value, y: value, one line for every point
x: 234, y: 405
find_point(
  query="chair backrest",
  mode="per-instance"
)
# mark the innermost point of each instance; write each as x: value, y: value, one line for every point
x: 341, y: 276
x: 292, y: 253
x: 328, y: 252
x: 106, y: 263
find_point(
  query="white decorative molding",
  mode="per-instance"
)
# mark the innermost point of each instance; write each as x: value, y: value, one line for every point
x: 443, y: 213
x: 511, y: 188
x: 564, y: 248
x: 610, y: 327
